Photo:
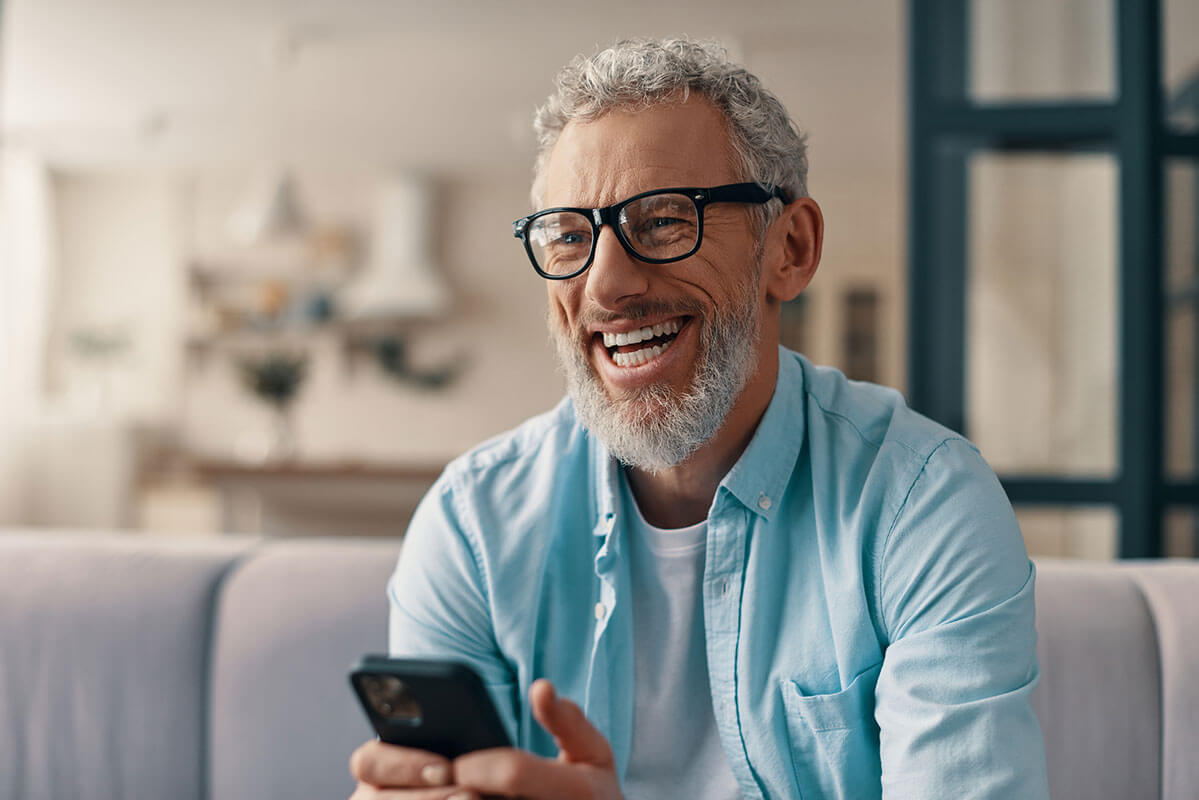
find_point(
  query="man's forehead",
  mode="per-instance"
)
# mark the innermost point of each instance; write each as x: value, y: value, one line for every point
x: 624, y: 152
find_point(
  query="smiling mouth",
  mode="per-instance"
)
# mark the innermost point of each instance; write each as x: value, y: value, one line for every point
x: 634, y: 348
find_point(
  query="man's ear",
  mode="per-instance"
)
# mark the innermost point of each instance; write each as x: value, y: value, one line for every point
x: 794, y: 240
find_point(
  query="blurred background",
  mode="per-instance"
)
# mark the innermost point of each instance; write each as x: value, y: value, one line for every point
x: 257, y: 271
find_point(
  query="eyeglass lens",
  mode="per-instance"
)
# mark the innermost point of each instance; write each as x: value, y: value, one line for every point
x: 660, y: 226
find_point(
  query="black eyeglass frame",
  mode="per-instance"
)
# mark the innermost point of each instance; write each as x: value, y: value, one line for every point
x: 751, y: 193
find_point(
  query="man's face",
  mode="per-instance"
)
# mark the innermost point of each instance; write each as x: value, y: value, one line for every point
x: 656, y: 400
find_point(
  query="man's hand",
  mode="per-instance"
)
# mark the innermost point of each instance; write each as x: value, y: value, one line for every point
x: 584, y: 768
x: 383, y: 768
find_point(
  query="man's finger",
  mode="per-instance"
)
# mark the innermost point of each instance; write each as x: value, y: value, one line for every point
x: 368, y: 792
x: 578, y: 740
x: 510, y: 772
x: 387, y: 765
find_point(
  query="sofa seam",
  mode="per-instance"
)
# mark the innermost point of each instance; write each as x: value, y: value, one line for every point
x: 215, y: 596
x: 1138, y: 586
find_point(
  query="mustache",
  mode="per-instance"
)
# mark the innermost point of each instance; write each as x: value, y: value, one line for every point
x: 637, y: 311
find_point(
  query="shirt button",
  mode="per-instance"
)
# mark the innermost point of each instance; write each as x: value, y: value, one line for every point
x: 600, y: 610
x: 764, y: 503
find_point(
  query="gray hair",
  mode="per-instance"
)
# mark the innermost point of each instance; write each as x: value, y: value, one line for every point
x: 638, y: 73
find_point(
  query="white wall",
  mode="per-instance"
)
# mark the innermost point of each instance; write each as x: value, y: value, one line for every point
x: 120, y: 246
x: 27, y: 256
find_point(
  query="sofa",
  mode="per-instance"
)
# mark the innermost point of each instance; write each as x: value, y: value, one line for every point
x: 139, y: 667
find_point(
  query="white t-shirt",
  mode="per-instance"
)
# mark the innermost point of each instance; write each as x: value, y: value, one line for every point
x: 676, y: 749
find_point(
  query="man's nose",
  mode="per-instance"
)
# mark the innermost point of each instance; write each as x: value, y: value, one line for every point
x: 614, y: 277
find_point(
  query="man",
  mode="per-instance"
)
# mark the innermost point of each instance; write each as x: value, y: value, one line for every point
x: 715, y: 570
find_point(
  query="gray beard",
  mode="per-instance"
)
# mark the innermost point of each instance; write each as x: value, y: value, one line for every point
x: 657, y: 427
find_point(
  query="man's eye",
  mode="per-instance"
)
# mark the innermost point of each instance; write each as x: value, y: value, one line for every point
x: 664, y: 227
x: 557, y: 237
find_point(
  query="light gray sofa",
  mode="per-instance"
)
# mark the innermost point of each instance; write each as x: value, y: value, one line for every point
x: 134, y: 667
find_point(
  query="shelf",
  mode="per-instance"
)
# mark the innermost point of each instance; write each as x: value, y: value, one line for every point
x: 219, y: 470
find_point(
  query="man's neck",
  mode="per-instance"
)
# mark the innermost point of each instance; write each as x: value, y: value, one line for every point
x: 681, y: 495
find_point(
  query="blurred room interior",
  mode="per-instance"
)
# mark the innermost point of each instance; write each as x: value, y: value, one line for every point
x: 257, y: 272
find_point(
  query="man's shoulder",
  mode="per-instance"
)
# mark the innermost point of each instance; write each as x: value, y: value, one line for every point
x: 851, y: 413
x: 554, y: 435
x: 923, y: 493
x: 866, y: 447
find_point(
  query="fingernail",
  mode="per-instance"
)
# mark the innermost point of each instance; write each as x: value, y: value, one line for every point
x: 435, y: 774
x: 459, y: 796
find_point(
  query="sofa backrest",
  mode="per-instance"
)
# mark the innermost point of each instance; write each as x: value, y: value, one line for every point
x: 292, y: 619
x: 1171, y: 591
x: 1100, y: 686
x: 104, y: 646
x: 1118, y: 703
x: 136, y: 668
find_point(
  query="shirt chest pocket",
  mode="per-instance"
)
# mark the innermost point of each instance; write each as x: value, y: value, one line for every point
x: 834, y: 740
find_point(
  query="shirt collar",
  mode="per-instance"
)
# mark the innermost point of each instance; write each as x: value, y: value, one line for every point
x: 760, y: 476
x: 607, y: 474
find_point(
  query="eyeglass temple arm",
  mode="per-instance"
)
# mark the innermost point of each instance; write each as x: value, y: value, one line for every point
x: 747, y: 193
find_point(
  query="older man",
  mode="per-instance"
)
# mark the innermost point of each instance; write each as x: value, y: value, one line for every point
x: 714, y: 570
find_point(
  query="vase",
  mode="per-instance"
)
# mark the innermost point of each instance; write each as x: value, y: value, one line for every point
x: 282, y: 446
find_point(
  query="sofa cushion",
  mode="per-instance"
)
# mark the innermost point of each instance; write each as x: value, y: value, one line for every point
x: 104, y: 645
x: 292, y: 619
x: 1172, y: 591
x: 1100, y: 687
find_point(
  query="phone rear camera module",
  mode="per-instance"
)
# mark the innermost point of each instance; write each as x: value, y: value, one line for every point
x: 392, y: 700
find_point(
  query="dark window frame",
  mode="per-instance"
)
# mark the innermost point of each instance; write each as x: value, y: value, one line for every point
x: 945, y: 128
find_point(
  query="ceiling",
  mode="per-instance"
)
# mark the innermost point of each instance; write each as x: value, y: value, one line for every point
x: 447, y: 85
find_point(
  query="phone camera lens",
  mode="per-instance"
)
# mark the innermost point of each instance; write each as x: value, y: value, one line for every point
x: 392, y: 699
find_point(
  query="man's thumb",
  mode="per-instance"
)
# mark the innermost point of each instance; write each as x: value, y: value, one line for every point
x: 578, y: 740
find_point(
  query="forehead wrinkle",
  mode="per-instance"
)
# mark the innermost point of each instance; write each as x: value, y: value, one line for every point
x: 597, y: 188
x: 605, y: 169
x: 594, y: 184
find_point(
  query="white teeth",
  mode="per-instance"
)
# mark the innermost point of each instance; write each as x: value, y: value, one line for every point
x: 639, y: 357
x: 633, y: 337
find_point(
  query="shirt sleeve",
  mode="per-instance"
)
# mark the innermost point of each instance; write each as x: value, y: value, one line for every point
x: 439, y: 599
x: 956, y: 597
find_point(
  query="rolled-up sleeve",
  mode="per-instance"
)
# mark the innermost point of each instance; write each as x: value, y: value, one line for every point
x: 439, y: 600
x: 956, y: 595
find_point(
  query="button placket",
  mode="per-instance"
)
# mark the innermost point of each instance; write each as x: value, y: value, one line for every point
x: 728, y: 528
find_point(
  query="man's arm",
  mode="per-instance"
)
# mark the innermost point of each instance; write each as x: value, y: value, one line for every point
x: 584, y: 769
x: 439, y: 600
x: 955, y: 591
x: 440, y: 609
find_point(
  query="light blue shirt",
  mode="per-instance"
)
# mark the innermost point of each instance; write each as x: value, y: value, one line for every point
x: 868, y: 602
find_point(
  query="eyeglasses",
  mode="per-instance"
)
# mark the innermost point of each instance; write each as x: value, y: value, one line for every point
x: 657, y: 227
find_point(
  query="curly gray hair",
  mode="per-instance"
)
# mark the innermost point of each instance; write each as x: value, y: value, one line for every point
x: 768, y: 145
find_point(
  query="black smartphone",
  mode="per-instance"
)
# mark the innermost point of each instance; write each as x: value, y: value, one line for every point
x: 439, y: 706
